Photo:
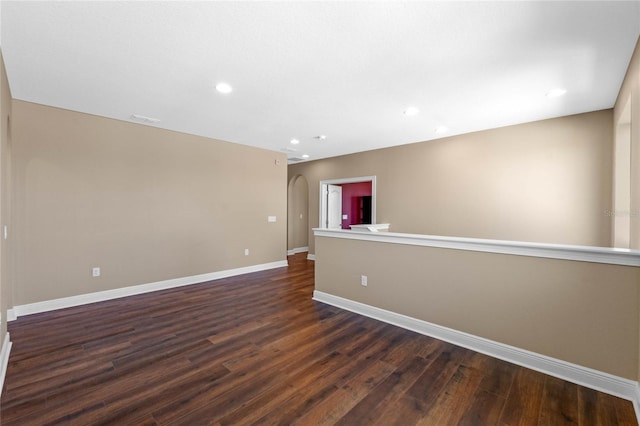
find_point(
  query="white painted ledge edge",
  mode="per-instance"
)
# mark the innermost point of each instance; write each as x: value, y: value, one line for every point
x: 4, y: 359
x: 100, y: 296
x: 594, y: 379
x: 614, y: 256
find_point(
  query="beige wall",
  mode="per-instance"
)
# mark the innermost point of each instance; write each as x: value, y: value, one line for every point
x: 580, y: 312
x: 143, y: 204
x: 547, y: 181
x: 5, y: 201
x: 630, y: 92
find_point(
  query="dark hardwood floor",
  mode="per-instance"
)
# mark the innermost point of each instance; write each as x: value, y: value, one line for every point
x: 256, y: 349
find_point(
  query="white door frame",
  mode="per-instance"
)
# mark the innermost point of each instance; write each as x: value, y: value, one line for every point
x: 322, y: 216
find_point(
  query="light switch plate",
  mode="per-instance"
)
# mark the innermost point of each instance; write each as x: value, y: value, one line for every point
x: 271, y: 219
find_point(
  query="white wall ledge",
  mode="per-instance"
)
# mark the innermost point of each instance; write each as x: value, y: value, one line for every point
x: 613, y: 256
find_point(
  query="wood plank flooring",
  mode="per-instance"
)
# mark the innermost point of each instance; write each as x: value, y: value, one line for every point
x: 256, y: 349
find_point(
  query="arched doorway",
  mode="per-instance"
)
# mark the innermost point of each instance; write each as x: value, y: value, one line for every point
x: 298, y: 215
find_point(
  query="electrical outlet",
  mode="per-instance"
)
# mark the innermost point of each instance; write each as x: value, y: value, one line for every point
x: 95, y: 272
x: 363, y: 280
x: 246, y: 252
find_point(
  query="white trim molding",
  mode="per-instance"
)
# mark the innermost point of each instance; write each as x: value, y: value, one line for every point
x: 297, y: 250
x: 11, y: 315
x: 311, y: 256
x: 83, y: 299
x: 4, y: 359
x: 614, y: 256
x: 594, y: 379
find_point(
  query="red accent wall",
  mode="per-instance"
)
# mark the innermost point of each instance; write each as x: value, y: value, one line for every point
x: 350, y: 204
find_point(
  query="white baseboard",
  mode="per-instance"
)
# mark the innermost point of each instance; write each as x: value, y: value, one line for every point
x: 311, y: 256
x: 83, y: 299
x: 4, y: 359
x: 11, y: 315
x: 594, y: 379
x: 636, y: 403
x: 297, y: 250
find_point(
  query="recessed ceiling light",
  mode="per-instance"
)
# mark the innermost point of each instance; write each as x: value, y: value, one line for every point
x: 411, y: 111
x: 305, y: 155
x: 295, y: 141
x: 224, y: 88
x: 320, y: 137
x: 441, y: 129
x: 554, y: 93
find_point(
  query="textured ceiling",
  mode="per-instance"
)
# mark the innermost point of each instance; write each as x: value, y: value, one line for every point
x: 346, y: 70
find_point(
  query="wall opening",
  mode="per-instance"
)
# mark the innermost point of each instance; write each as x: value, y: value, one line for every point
x: 363, y: 212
